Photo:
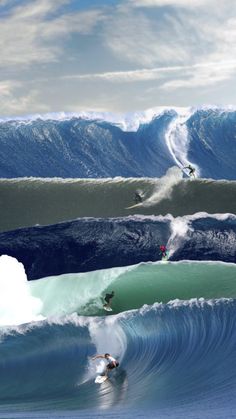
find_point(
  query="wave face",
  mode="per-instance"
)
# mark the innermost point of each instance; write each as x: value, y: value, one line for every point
x: 133, y: 286
x: 85, y: 147
x: 166, y: 360
x: 212, y: 140
x: 28, y: 202
x: 67, y: 191
x: 92, y: 244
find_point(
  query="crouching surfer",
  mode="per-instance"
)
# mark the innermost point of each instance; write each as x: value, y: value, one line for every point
x: 138, y: 198
x: 191, y: 170
x: 108, y: 298
x: 112, y: 363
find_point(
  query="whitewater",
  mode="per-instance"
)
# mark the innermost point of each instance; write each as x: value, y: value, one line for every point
x: 136, y: 145
x: 70, y: 232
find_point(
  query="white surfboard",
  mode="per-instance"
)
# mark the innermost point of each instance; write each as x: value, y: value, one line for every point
x: 107, y: 308
x: 100, y: 379
x: 192, y: 176
x: 135, y: 205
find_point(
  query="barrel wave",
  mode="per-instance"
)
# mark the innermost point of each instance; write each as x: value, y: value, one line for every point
x: 88, y: 200
x: 194, y: 368
x: 84, y: 293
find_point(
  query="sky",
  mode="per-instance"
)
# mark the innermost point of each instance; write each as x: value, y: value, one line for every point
x: 115, y: 55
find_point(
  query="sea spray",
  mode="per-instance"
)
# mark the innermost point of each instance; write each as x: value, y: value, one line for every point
x: 164, y: 187
x: 17, y: 305
x: 152, y: 282
x: 177, y: 140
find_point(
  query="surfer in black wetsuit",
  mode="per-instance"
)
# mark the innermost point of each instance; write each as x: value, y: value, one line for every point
x: 191, y: 170
x: 138, y: 198
x: 108, y: 298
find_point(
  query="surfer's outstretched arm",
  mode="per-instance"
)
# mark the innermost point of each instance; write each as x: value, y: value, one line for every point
x: 98, y: 356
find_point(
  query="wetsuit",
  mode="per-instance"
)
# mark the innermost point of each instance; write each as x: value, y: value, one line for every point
x: 191, y: 170
x: 108, y: 297
x: 137, y: 198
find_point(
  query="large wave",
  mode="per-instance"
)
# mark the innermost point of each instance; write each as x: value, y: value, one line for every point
x: 92, y: 146
x: 173, y: 324
x: 179, y: 354
x: 23, y: 301
x: 133, y: 287
x: 27, y: 202
x: 90, y: 244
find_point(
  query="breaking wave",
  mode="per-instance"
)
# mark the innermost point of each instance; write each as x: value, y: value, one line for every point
x: 135, y: 145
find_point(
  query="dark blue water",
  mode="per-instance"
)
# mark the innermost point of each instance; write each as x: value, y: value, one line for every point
x: 91, y: 148
x: 177, y: 358
x: 91, y: 244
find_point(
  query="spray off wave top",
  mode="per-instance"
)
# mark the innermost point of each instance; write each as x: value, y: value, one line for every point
x: 97, y: 146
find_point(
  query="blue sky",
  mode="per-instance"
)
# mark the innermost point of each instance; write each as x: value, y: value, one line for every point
x: 115, y: 55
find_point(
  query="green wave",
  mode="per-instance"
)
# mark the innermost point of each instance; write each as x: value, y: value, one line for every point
x: 134, y: 286
x: 31, y: 201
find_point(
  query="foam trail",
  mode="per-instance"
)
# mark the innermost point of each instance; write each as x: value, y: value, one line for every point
x: 164, y: 186
x: 178, y: 142
x: 16, y: 303
x: 179, y: 227
x: 108, y: 337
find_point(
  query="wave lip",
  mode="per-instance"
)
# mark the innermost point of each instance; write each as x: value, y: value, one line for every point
x: 103, y: 145
x: 153, y: 282
x: 89, y: 244
x: 68, y: 199
x: 179, y: 354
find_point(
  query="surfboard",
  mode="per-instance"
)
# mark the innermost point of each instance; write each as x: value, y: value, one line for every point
x: 107, y: 308
x: 190, y: 176
x: 165, y: 259
x: 135, y: 206
x: 100, y: 379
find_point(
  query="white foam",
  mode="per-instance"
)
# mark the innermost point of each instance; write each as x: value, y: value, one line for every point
x: 181, y: 225
x: 126, y: 121
x: 164, y: 186
x: 17, y: 305
x: 69, y: 293
x: 177, y: 140
x: 108, y: 337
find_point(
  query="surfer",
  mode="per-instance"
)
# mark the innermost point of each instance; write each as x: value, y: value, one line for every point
x: 191, y: 170
x: 112, y: 362
x: 108, y: 298
x: 138, y: 198
x: 163, y: 251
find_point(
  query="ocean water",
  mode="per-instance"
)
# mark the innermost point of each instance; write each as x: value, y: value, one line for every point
x: 70, y: 233
x: 135, y: 145
x: 37, y: 201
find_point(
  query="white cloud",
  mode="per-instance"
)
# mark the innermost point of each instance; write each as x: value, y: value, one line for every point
x: 6, y: 87
x: 192, y: 76
x: 181, y: 39
x: 34, y: 33
x: 130, y: 76
x: 202, y: 76
x: 135, y: 37
x: 120, y: 76
x: 12, y: 99
x: 161, y: 3
x: 189, y: 45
